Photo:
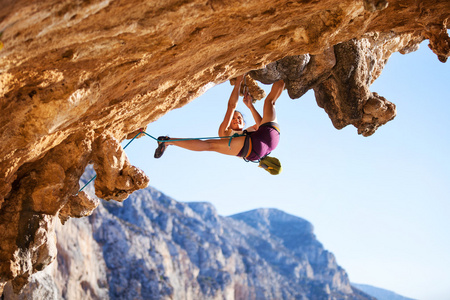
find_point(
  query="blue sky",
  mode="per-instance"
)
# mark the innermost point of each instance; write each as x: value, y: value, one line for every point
x: 381, y: 204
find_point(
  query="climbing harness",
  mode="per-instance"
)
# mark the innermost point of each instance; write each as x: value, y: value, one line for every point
x: 247, y: 148
x: 172, y: 140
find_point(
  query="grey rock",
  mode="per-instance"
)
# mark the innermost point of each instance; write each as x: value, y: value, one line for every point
x: 153, y: 247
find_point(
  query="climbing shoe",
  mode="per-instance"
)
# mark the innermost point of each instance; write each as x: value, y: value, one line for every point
x: 161, y: 146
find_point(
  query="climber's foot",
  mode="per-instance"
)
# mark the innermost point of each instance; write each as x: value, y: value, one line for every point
x: 161, y: 146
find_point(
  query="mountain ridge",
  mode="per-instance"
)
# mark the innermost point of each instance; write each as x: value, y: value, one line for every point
x: 151, y: 246
x: 380, y: 293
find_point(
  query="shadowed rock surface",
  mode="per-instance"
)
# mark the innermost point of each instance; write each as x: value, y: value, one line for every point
x: 78, y: 77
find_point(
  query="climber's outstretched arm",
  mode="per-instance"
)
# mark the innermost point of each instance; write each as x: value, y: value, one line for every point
x: 224, y: 129
x: 248, y: 101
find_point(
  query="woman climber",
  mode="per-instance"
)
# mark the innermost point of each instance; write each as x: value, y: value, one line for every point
x: 253, y: 144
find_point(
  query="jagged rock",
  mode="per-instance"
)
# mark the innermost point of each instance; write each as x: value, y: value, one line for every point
x: 116, y: 177
x: 250, y: 86
x: 79, y: 272
x: 73, y: 73
x: 341, y: 76
x: 78, y: 206
x: 300, y: 72
x: 345, y: 93
x: 27, y: 220
x: 439, y: 40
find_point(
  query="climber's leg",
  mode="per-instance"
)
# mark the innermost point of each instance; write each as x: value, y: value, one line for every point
x: 269, y: 113
x: 222, y: 146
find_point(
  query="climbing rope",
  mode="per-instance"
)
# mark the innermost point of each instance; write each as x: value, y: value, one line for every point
x: 172, y: 140
x: 244, y: 90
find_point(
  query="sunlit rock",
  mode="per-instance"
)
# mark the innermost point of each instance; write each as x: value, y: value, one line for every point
x: 77, y: 77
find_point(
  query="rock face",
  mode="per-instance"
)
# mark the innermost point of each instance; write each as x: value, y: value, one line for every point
x: 152, y: 247
x: 77, y: 77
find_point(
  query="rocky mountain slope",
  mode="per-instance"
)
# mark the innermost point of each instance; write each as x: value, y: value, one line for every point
x: 380, y: 294
x: 78, y: 77
x: 153, y: 247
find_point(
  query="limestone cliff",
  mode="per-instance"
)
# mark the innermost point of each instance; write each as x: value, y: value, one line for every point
x: 77, y: 77
x: 153, y: 247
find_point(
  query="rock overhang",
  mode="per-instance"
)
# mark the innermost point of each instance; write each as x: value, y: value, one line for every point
x: 76, y: 78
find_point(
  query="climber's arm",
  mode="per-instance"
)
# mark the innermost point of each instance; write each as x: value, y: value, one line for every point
x: 224, y: 129
x: 248, y: 101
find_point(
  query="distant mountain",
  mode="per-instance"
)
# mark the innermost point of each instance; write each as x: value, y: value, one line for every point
x: 153, y: 247
x: 380, y: 294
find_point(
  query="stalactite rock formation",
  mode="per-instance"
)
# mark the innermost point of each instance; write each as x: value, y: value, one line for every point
x: 77, y: 77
